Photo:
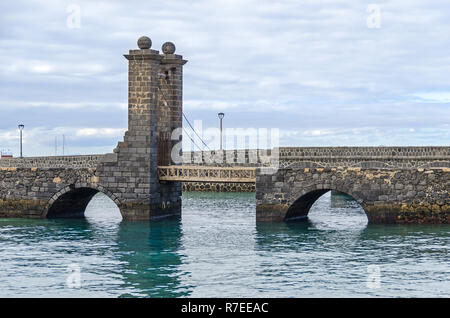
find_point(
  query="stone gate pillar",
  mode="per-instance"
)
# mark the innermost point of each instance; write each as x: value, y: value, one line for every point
x: 170, y: 120
x: 154, y: 111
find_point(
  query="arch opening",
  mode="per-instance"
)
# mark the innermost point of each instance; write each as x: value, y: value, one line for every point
x: 71, y: 204
x: 300, y: 208
x: 102, y: 209
x: 74, y: 202
x: 336, y: 204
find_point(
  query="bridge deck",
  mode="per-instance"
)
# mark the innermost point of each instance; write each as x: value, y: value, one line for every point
x: 207, y: 174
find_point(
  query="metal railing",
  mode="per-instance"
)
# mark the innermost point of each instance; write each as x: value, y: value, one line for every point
x: 207, y: 174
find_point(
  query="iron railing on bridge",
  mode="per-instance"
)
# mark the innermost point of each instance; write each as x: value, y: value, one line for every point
x: 207, y: 174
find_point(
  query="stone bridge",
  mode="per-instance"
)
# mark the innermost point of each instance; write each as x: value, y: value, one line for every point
x: 392, y: 184
x: 62, y: 186
x: 394, y: 195
x: 143, y: 174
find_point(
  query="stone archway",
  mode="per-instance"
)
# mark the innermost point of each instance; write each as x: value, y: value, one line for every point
x: 300, y: 208
x: 72, y: 200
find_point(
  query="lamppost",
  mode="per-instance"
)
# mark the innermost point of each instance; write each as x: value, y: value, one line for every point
x: 21, y: 127
x: 221, y: 115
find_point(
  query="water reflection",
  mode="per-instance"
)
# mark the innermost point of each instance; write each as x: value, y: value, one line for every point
x: 36, y: 254
x: 117, y: 259
x: 337, y: 212
x: 150, y: 258
x: 147, y: 253
x: 340, y: 200
x: 328, y: 254
x: 283, y: 235
x: 217, y: 250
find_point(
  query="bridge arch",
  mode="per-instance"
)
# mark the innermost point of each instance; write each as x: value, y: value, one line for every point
x: 304, y: 200
x: 72, y: 200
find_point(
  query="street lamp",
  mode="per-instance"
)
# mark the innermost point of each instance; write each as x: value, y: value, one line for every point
x: 221, y: 115
x: 21, y: 127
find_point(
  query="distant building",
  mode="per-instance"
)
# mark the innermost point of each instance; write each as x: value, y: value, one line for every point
x: 6, y: 154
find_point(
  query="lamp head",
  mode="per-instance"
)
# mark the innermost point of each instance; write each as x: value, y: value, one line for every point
x: 21, y: 126
x: 221, y: 115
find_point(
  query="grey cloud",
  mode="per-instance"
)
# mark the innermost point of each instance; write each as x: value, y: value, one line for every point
x: 288, y: 64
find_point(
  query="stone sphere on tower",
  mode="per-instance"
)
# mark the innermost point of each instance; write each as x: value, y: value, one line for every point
x: 144, y: 43
x: 168, y: 48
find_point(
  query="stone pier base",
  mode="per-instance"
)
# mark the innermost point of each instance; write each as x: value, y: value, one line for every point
x: 408, y: 213
x: 141, y: 211
x: 376, y: 214
x: 19, y: 208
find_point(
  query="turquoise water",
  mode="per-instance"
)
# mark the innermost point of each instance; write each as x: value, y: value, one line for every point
x: 217, y: 250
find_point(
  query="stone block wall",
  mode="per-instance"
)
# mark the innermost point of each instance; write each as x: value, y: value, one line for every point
x: 386, y: 195
x: 30, y: 192
x: 319, y: 157
x: 75, y: 162
x: 353, y: 152
x: 228, y: 158
x: 365, y: 157
x: 154, y: 111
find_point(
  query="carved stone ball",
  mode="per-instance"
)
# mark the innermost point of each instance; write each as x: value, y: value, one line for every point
x: 144, y: 42
x: 168, y: 48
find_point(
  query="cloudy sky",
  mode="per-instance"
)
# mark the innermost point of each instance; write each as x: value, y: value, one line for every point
x: 324, y: 72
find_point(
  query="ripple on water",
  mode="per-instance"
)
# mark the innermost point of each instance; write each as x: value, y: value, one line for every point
x: 218, y: 250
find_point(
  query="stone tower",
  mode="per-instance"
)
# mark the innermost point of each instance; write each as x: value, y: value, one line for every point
x: 155, y: 85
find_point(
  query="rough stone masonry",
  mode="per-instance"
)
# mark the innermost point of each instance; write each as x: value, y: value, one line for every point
x: 387, y: 195
x: 392, y: 184
x: 63, y: 186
